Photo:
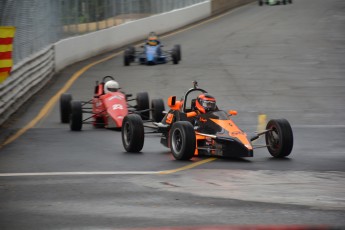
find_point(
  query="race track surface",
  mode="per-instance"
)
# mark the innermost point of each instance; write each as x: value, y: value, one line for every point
x: 284, y: 61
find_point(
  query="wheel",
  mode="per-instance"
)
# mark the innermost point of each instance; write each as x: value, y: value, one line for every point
x: 65, y: 107
x: 132, y: 133
x: 284, y: 2
x: 182, y: 140
x: 126, y: 58
x: 279, y: 140
x: 174, y: 56
x: 157, y: 106
x: 143, y: 103
x: 290, y: 1
x: 131, y: 51
x: 76, y: 119
x: 260, y: 3
x: 178, y: 51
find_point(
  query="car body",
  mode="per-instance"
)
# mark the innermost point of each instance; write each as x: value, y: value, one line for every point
x: 107, y: 109
x: 152, y: 54
x: 213, y: 133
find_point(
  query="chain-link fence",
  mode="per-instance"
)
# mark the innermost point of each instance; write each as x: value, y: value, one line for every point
x: 40, y: 23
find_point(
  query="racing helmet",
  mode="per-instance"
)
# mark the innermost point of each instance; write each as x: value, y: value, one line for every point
x: 152, y: 41
x: 111, y: 86
x: 205, y: 103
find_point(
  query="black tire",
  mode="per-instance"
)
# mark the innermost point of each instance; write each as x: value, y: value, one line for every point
x: 65, y: 107
x: 133, y: 133
x: 157, y: 106
x: 131, y: 51
x: 174, y: 56
x: 76, y: 120
x: 143, y: 103
x: 178, y: 51
x: 284, y: 2
x: 290, y: 1
x: 260, y: 3
x: 126, y: 58
x: 182, y: 140
x: 279, y: 140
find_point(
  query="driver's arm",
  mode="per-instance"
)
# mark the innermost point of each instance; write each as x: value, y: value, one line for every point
x: 193, y: 113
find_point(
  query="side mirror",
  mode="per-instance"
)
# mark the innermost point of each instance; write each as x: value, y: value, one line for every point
x: 171, y: 101
x: 232, y: 112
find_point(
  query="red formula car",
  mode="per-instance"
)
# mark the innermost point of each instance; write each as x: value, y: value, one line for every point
x: 211, y: 132
x: 108, y: 107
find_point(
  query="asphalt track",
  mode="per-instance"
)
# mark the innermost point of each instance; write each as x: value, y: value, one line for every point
x: 280, y: 61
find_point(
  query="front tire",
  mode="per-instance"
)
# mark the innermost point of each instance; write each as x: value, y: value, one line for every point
x: 76, y: 121
x: 143, y: 103
x: 65, y: 107
x: 132, y: 133
x: 182, y: 140
x: 157, y: 106
x: 279, y: 140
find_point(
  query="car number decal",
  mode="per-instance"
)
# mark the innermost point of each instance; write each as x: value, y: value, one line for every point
x: 117, y: 106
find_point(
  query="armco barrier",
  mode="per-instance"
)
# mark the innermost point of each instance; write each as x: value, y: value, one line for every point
x: 26, y: 79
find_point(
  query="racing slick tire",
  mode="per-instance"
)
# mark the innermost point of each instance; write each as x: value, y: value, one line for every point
x: 178, y: 51
x: 76, y: 119
x: 143, y: 103
x: 174, y: 56
x: 132, y: 133
x: 157, y: 106
x: 126, y: 58
x: 65, y: 107
x: 279, y: 140
x: 182, y: 140
x: 131, y: 51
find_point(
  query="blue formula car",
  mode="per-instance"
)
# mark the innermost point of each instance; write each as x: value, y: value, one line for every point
x: 152, y: 53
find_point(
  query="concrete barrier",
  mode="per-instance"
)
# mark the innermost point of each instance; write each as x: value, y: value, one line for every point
x: 220, y: 6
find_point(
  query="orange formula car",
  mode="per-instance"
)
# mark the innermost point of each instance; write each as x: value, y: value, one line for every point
x: 189, y: 132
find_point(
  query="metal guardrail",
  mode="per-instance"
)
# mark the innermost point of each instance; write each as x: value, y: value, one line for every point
x: 26, y: 79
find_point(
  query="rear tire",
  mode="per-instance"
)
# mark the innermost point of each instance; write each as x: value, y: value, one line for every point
x: 260, y: 3
x: 143, y: 103
x: 157, y: 106
x: 182, y: 140
x: 178, y: 51
x: 133, y: 133
x: 76, y: 120
x: 174, y: 57
x: 65, y: 107
x: 279, y: 140
x: 126, y: 58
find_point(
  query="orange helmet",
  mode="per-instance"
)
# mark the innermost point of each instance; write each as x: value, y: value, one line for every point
x: 205, y: 103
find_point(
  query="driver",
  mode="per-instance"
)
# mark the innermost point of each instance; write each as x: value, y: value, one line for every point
x: 152, y: 40
x: 203, y: 104
x: 111, y: 86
